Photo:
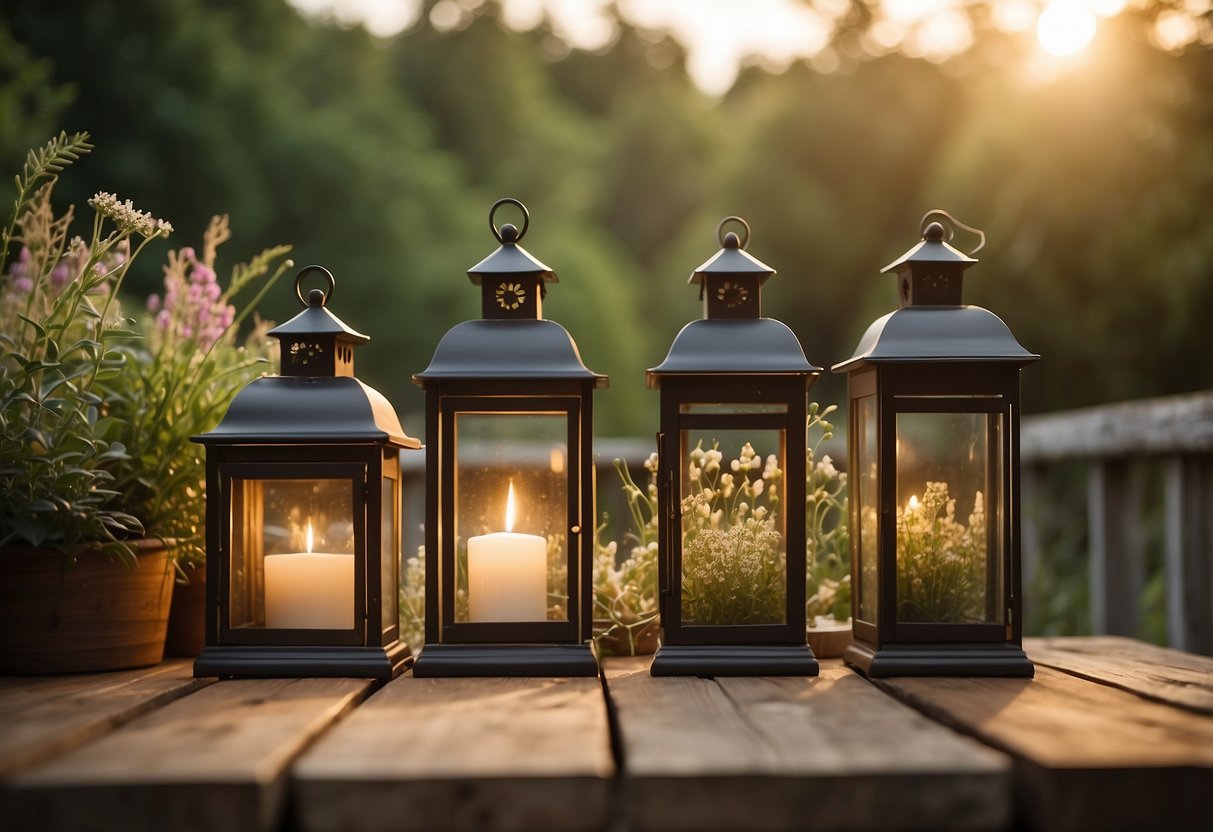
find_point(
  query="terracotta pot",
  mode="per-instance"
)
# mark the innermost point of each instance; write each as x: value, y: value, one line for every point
x: 96, y: 615
x: 829, y: 638
x: 187, y: 618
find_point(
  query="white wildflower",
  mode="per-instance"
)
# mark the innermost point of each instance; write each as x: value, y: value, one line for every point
x: 826, y: 468
x: 127, y: 217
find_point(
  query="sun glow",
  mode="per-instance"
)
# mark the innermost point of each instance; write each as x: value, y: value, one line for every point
x: 1065, y: 27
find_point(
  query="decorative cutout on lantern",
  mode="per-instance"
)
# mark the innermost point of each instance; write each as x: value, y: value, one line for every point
x: 934, y: 451
x: 509, y: 482
x: 303, y: 514
x: 510, y: 296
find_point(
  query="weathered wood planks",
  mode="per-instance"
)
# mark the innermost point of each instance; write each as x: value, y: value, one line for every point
x: 1157, y: 673
x: 463, y: 754
x: 41, y: 716
x: 791, y: 753
x: 216, y: 759
x: 1087, y: 756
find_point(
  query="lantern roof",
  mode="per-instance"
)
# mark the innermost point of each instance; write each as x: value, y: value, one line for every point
x: 732, y: 259
x: 936, y: 334
x: 316, y: 319
x: 507, y: 349
x: 510, y: 258
x: 291, y: 409
x: 758, y: 346
x: 932, y: 249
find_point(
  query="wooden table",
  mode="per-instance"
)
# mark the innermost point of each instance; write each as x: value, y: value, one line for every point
x: 1111, y: 734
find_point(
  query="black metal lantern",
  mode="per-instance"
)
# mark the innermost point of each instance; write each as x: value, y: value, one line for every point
x: 509, y: 482
x: 303, y: 514
x: 934, y: 479
x: 731, y: 484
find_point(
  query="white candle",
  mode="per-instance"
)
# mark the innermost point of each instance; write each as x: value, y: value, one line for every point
x: 309, y: 590
x: 507, y: 574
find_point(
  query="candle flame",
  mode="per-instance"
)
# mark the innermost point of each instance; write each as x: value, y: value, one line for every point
x: 309, y: 537
x: 913, y: 504
x: 509, y: 509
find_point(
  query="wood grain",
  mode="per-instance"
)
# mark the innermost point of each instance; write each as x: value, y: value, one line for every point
x: 825, y: 753
x: 1157, y: 673
x: 216, y: 759
x: 1087, y: 756
x: 463, y: 754
x: 41, y: 716
x: 1163, y: 425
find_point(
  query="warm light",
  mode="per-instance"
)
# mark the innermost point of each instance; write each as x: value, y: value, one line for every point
x: 1065, y: 27
x: 556, y: 458
x: 913, y: 504
x: 309, y: 537
x: 509, y: 509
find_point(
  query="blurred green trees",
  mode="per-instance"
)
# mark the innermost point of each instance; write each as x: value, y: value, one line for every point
x: 379, y: 159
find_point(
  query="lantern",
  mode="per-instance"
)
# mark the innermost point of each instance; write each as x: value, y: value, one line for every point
x: 303, y: 508
x: 509, y: 482
x: 731, y: 481
x: 934, y: 479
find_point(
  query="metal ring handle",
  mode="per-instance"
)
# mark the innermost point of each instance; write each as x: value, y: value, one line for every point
x: 955, y: 223
x: 744, y: 241
x: 526, y: 218
x: 306, y: 270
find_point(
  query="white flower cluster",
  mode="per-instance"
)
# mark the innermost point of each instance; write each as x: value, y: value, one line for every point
x: 941, y: 563
x: 734, y: 565
x: 127, y: 217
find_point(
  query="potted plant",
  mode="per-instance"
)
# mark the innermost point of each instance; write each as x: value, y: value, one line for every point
x: 100, y: 490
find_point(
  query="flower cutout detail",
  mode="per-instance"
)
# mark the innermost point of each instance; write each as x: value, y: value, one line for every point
x: 510, y: 296
x: 303, y: 352
x: 733, y: 294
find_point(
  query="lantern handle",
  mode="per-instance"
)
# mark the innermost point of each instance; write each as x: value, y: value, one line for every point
x: 518, y: 234
x: 325, y: 296
x: 955, y: 223
x: 745, y: 240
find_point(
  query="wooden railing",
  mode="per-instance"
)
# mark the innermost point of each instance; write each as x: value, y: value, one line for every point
x: 1175, y: 433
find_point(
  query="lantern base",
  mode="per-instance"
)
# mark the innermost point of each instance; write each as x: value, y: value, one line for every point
x: 278, y: 661
x: 734, y: 660
x: 464, y: 660
x: 1006, y: 660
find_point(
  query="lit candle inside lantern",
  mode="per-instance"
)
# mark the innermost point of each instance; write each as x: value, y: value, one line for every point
x: 309, y: 590
x: 507, y: 574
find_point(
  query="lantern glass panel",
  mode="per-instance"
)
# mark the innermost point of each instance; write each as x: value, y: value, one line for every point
x: 389, y: 556
x: 511, y: 553
x: 866, y: 506
x: 949, y: 498
x: 734, y: 542
x: 292, y: 554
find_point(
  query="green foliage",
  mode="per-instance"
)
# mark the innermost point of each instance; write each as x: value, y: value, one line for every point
x: 180, y: 375
x: 828, y: 575
x: 95, y: 416
x: 57, y: 350
x: 625, y: 587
